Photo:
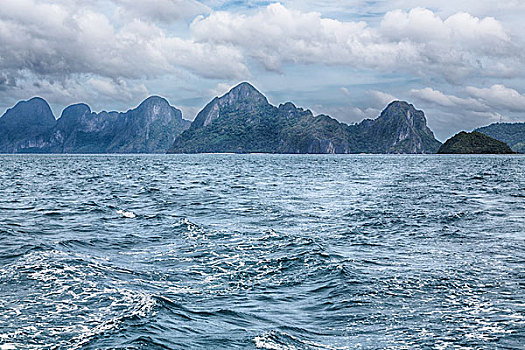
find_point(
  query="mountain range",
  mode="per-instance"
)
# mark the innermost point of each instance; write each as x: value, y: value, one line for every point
x: 240, y: 121
x: 30, y: 127
x: 243, y: 121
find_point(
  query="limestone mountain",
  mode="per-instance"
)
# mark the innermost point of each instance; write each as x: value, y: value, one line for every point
x: 21, y: 125
x: 399, y: 129
x: 149, y: 128
x: 244, y: 121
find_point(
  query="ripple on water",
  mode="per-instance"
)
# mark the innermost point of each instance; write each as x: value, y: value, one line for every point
x: 261, y: 251
x: 67, y: 300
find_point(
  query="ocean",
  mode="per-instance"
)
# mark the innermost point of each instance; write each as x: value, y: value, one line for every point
x: 219, y: 251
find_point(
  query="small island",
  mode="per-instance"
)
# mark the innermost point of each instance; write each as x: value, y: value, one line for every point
x: 474, y: 143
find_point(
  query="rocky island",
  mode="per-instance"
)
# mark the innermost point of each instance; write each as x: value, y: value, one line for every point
x: 474, y: 143
x: 240, y: 121
x: 513, y: 134
x: 243, y: 121
x: 30, y: 127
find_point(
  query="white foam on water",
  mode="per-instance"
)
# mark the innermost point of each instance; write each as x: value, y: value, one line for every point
x: 127, y: 214
x: 7, y: 346
x: 262, y: 343
x: 50, y: 272
x: 141, y: 305
x: 268, y: 341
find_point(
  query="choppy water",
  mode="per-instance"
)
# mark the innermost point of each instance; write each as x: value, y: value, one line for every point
x: 262, y: 251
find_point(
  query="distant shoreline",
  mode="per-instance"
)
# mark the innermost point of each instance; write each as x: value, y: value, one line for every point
x: 257, y: 153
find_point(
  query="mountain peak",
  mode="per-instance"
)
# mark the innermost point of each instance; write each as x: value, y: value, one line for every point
x: 35, y: 110
x: 32, y: 104
x: 513, y: 134
x: 155, y: 107
x: 78, y: 109
x: 400, y: 105
x: 244, y: 86
x: 244, y: 92
x: 25, y: 122
x: 402, y: 129
x: 402, y: 110
x: 153, y: 101
x: 243, y: 98
x: 37, y: 100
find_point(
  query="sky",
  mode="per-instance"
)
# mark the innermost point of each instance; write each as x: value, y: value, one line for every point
x: 462, y: 62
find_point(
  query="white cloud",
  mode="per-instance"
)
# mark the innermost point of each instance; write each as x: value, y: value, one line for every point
x: 116, y: 90
x: 417, y: 41
x: 419, y: 25
x: 483, y: 106
x: 347, y: 114
x: 346, y: 92
x: 57, y: 41
x: 220, y: 89
x: 85, y: 88
x: 423, y: 25
x: 381, y: 98
x: 437, y: 97
x: 107, y: 51
x: 164, y: 11
x: 499, y: 97
x: 276, y: 35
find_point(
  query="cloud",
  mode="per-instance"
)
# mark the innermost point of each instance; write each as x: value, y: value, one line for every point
x: 499, y: 97
x: 482, y: 106
x: 116, y: 90
x: 438, y: 98
x: 102, y: 92
x: 380, y: 98
x: 346, y: 92
x: 422, y: 25
x: 72, y: 37
x: 276, y: 35
x: 370, y: 106
x: 189, y: 112
x: 417, y: 41
x: 164, y: 11
x: 220, y: 89
x: 57, y: 41
x: 347, y: 114
x: 108, y: 51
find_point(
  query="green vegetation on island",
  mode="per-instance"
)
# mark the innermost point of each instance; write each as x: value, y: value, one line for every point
x: 513, y: 134
x: 474, y: 143
x: 240, y: 121
x: 243, y: 121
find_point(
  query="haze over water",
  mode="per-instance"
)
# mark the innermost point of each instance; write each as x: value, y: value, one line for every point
x: 262, y: 251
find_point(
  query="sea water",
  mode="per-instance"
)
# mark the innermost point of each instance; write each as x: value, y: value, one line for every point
x: 262, y: 251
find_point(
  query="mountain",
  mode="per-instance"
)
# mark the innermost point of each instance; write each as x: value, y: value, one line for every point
x: 399, y: 129
x: 244, y: 121
x: 513, y: 134
x: 149, y: 128
x: 240, y: 121
x: 21, y: 125
x: 474, y: 143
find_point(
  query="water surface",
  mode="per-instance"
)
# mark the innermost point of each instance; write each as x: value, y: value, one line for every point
x: 262, y: 251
